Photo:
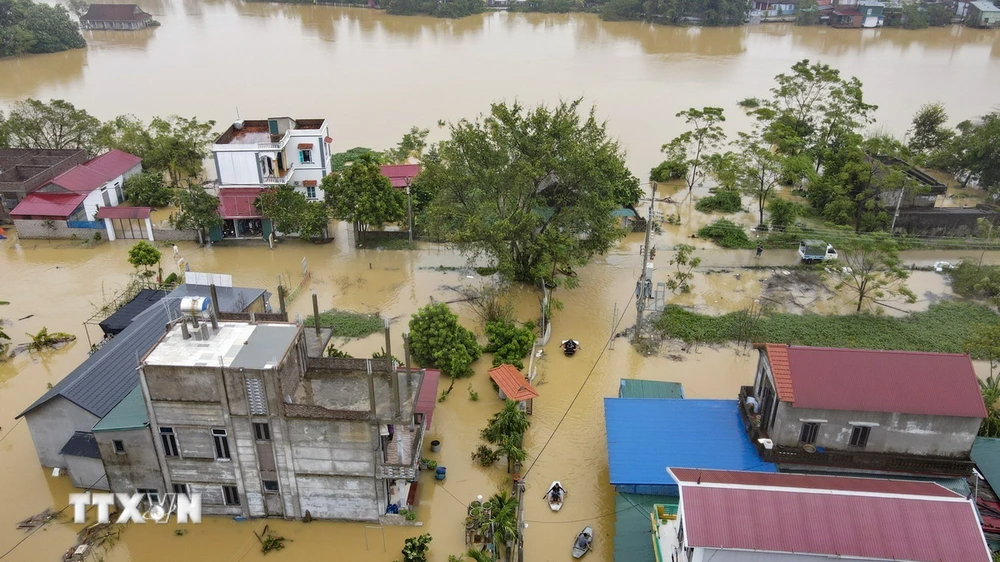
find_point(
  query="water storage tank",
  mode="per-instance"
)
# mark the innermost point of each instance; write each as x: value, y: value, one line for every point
x: 195, y: 306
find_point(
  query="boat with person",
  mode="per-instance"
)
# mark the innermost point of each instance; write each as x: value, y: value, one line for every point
x: 556, y: 494
x: 569, y: 347
x: 582, y: 544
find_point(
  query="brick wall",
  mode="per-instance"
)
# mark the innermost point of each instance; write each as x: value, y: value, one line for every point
x: 53, y: 230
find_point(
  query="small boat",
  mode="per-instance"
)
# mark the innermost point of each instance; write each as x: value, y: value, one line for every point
x: 582, y: 544
x: 569, y: 347
x: 556, y: 494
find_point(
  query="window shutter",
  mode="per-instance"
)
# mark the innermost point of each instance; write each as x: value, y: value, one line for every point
x: 302, y: 157
x: 255, y: 395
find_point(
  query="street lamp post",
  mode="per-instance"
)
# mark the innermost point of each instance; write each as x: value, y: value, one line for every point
x: 409, y: 210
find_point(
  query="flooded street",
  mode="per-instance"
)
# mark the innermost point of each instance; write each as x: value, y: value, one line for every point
x: 373, y: 76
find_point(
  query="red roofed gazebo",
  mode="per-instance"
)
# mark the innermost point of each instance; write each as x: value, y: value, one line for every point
x: 512, y: 385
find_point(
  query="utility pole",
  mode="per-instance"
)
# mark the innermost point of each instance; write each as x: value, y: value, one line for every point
x: 409, y: 209
x: 640, y: 290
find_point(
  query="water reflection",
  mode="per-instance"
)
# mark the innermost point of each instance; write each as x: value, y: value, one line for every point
x: 20, y: 75
x: 664, y: 40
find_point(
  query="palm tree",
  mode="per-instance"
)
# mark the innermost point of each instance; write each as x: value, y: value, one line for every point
x: 502, y: 509
x: 511, y: 421
x: 510, y: 447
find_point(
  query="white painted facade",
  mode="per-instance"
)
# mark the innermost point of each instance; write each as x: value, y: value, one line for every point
x: 299, y: 157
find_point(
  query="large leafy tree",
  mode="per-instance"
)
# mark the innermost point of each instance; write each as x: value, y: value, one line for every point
x: 871, y: 269
x: 759, y: 170
x: 27, y: 27
x: 58, y: 124
x: 811, y: 109
x: 532, y: 189
x: 144, y: 255
x: 199, y: 210
x: 699, y: 144
x: 147, y: 190
x: 178, y: 146
x: 362, y: 195
x: 928, y: 132
x: 315, y: 221
x: 438, y: 340
x: 284, y: 206
x: 127, y: 133
x: 412, y: 145
x: 974, y: 152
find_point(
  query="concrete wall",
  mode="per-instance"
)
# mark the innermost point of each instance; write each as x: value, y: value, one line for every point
x: 339, y: 497
x: 173, y: 235
x: 333, y: 447
x: 909, y: 434
x: 137, y: 467
x: 52, y: 424
x: 28, y: 229
x: 943, y: 221
x: 85, y: 472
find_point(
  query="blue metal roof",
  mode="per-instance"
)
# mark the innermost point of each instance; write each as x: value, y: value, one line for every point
x: 645, y: 436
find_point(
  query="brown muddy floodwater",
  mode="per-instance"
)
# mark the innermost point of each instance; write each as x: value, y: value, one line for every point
x: 373, y: 76
x: 58, y: 283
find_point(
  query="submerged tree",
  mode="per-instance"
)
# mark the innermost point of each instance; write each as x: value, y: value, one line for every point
x: 199, y: 210
x: 284, y: 206
x: 54, y: 125
x: 758, y: 171
x: 178, y: 147
x: 871, y: 269
x: 144, y: 255
x: 680, y: 280
x: 147, y: 190
x: 698, y: 144
x: 928, y: 132
x: 438, y: 340
x: 362, y: 195
x: 532, y: 189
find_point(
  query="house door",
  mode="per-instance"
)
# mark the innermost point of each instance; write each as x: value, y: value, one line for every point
x: 273, y: 505
x: 106, y: 196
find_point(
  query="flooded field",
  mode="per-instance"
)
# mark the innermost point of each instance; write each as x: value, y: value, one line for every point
x: 58, y: 283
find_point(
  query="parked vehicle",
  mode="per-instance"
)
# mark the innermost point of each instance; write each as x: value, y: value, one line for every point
x: 583, y: 540
x: 814, y: 251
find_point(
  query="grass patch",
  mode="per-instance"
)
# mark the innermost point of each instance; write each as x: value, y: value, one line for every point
x: 723, y: 201
x: 943, y: 328
x: 727, y: 234
x: 347, y: 324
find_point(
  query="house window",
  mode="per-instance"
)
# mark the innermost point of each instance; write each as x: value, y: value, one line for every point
x: 270, y: 485
x: 181, y: 489
x: 306, y: 156
x: 310, y: 192
x: 261, y: 431
x: 152, y: 495
x: 221, y: 444
x: 231, y: 495
x: 255, y: 393
x: 169, y: 442
x: 119, y: 446
x: 808, y: 434
x: 859, y: 435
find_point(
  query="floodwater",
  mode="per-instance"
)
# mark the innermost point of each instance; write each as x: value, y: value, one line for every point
x: 63, y: 280
x: 374, y: 75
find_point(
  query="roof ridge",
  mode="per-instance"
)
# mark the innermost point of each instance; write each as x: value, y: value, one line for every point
x: 869, y: 350
x: 791, y: 489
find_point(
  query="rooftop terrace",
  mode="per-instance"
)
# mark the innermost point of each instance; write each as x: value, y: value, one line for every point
x: 234, y: 345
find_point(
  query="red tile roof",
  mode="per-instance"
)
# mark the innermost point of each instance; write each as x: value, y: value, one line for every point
x: 112, y: 164
x: 397, y: 173
x: 79, y: 179
x: 123, y: 213
x: 878, y: 524
x: 777, y: 356
x: 817, y: 482
x: 237, y: 202
x: 511, y: 383
x: 864, y: 380
x: 114, y: 12
x: 39, y: 204
x: 427, y: 398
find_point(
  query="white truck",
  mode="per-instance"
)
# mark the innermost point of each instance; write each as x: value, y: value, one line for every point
x: 815, y: 251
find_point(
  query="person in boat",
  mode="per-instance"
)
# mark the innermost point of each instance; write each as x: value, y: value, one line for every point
x: 555, y: 492
x: 569, y: 346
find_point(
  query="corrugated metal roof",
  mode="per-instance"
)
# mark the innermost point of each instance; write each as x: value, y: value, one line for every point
x: 511, y: 383
x: 40, y: 204
x: 632, y: 526
x: 113, y: 163
x: 79, y: 179
x: 130, y: 413
x: 777, y: 356
x: 123, y: 212
x: 237, y: 202
x: 639, y: 388
x: 427, y: 398
x: 397, y: 173
x: 107, y: 376
x: 986, y: 453
x: 985, y: 6
x: 647, y: 436
x: 865, y: 380
x: 811, y: 481
x: 81, y: 444
x: 867, y: 525
x: 114, y: 12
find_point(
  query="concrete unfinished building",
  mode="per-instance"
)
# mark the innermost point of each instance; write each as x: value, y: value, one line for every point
x: 242, y: 414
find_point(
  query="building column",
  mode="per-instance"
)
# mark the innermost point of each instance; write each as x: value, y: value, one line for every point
x: 110, y: 228
x: 149, y: 229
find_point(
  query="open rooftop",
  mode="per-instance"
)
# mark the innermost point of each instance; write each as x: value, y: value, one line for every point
x: 233, y: 345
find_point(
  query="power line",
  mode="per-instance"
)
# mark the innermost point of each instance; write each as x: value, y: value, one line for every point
x: 11, y: 430
x: 580, y: 391
x: 601, y: 516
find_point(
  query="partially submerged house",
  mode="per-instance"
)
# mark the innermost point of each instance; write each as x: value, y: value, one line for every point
x: 513, y: 386
x: 861, y: 410
x: 115, y: 17
x: 756, y: 517
x: 982, y: 14
x: 24, y: 170
x: 68, y: 204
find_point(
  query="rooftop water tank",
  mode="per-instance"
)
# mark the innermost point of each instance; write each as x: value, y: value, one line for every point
x: 195, y: 306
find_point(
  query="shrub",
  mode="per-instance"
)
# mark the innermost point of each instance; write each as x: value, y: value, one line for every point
x: 437, y: 340
x: 415, y: 549
x: 669, y: 170
x: 147, y: 190
x: 727, y: 234
x: 976, y: 281
x: 508, y: 343
x: 723, y: 201
x: 347, y: 324
x: 782, y: 212
x: 485, y: 456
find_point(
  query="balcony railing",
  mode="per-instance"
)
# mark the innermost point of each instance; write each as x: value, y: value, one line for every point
x: 279, y: 179
x: 857, y: 460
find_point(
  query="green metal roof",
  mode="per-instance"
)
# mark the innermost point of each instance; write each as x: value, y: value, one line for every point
x: 986, y: 453
x: 633, y: 528
x: 639, y: 388
x: 130, y: 413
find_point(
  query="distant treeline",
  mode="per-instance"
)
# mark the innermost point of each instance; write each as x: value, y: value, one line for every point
x: 450, y: 9
x: 29, y: 28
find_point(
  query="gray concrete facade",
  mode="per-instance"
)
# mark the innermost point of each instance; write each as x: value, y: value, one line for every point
x: 87, y: 473
x: 52, y: 424
x: 136, y: 467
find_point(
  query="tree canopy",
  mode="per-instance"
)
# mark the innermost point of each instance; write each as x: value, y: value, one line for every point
x: 55, y: 125
x: 871, y: 269
x: 438, y: 340
x: 199, y: 210
x: 30, y: 28
x: 144, y: 255
x: 531, y: 189
x: 147, y: 190
x: 696, y: 147
x: 361, y: 194
x: 284, y: 206
x: 928, y: 131
x: 452, y: 9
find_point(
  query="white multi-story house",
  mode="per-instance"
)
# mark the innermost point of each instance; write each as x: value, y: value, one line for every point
x: 253, y: 155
